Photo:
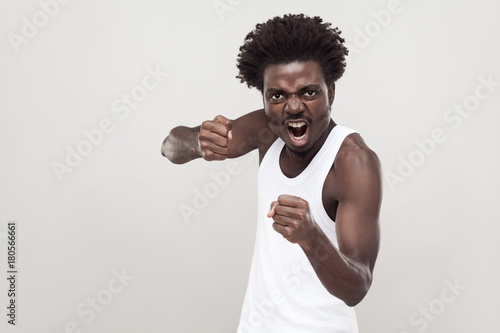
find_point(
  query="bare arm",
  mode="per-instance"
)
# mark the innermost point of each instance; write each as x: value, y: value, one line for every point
x: 218, y: 139
x: 345, y: 272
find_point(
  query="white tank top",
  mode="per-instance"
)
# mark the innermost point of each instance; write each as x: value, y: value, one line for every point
x: 284, y: 293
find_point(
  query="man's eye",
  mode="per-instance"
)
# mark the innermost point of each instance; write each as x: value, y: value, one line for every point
x: 275, y: 97
x: 310, y: 93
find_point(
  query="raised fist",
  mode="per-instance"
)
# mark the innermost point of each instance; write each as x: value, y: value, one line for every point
x: 214, y: 138
x: 292, y: 218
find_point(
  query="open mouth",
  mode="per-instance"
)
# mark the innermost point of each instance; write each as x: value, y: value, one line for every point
x: 297, y: 129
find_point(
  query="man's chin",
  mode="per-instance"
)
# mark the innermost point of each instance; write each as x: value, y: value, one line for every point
x: 301, y: 150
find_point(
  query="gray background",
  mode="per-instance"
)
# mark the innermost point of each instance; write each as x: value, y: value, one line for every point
x: 120, y: 208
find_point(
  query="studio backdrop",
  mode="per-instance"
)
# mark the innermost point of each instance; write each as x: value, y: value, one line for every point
x: 100, y: 233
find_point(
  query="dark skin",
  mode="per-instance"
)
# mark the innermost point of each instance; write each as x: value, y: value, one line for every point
x: 296, y: 93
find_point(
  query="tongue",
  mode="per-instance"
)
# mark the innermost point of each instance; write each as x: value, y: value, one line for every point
x: 298, y: 131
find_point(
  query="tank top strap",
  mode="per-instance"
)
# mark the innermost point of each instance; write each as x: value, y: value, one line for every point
x: 330, y: 149
x: 319, y: 165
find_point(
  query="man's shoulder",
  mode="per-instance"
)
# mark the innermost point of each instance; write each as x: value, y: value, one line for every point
x: 354, y: 152
x: 356, y: 165
x: 355, y: 171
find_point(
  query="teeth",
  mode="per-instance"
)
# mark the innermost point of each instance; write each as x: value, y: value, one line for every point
x: 296, y: 124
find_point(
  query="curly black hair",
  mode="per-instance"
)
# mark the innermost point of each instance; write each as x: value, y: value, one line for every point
x: 282, y: 40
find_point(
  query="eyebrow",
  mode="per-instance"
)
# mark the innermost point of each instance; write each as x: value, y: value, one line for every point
x: 306, y: 88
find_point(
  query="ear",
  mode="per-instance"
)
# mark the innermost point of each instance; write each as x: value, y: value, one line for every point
x: 331, y: 93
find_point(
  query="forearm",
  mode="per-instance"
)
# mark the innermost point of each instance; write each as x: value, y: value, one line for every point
x: 181, y: 145
x: 343, y: 277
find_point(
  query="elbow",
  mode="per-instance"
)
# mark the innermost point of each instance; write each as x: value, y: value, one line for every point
x: 171, y: 156
x: 163, y: 151
x: 357, y: 292
x: 167, y: 151
x: 355, y: 300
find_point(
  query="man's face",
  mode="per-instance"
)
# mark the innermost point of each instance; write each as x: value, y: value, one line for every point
x: 297, y: 104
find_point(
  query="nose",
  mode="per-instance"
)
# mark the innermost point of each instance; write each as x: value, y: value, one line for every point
x: 294, y: 105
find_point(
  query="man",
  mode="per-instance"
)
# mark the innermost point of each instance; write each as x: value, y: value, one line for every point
x: 319, y: 184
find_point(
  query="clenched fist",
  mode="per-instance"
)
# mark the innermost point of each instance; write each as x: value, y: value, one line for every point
x: 292, y: 218
x: 214, y: 138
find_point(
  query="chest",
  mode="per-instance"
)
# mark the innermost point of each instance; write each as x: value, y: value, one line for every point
x: 330, y: 188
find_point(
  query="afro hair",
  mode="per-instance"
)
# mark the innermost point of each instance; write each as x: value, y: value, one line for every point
x: 282, y: 40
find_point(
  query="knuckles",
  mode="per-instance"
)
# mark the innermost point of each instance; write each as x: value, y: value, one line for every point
x: 207, y: 124
x: 209, y: 138
x: 301, y: 216
x: 223, y: 121
x: 220, y: 119
x: 215, y: 127
x: 293, y: 212
x: 202, y: 136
